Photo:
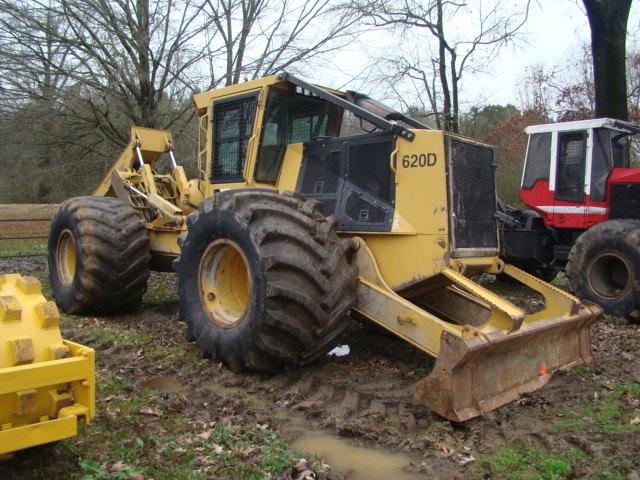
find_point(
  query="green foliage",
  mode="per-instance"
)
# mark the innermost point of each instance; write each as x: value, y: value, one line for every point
x: 480, y: 122
x: 605, y: 415
x: 110, y: 384
x: 510, y: 141
x: 159, y: 293
x: 93, y: 471
x: 523, y: 462
x: 18, y: 247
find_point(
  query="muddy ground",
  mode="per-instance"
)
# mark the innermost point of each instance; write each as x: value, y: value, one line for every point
x: 165, y: 412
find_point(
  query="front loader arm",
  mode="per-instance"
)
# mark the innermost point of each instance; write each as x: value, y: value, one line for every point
x: 167, y: 198
x: 146, y: 144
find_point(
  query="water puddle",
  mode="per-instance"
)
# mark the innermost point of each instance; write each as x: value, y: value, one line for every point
x: 163, y: 384
x: 361, y: 463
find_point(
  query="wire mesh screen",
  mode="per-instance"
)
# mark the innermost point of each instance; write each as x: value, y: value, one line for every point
x: 304, y: 128
x: 570, y: 178
x: 232, y: 128
x: 473, y: 195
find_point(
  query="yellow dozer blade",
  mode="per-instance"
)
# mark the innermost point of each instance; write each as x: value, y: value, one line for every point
x: 46, y: 383
x: 477, y: 375
x: 488, y: 351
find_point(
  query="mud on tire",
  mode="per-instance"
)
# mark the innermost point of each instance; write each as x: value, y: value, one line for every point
x: 98, y: 256
x: 604, y: 267
x: 301, y: 282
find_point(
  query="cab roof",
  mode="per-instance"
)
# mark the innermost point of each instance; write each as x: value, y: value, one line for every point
x: 610, y: 123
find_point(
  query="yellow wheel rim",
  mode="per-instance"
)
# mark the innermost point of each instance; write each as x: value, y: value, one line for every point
x: 224, y: 283
x: 66, y: 257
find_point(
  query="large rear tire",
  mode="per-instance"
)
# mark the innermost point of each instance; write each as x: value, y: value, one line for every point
x: 264, y: 281
x: 98, y: 256
x: 604, y: 267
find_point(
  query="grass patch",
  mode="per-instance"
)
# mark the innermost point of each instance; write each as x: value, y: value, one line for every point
x: 159, y: 293
x: 175, y: 449
x: 21, y: 247
x: 521, y: 463
x: 605, y: 415
x: 168, y: 355
x: 438, y: 426
x: 111, y: 384
x: 94, y: 471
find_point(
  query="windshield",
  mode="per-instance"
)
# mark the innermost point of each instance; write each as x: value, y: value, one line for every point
x: 292, y: 117
x: 625, y: 150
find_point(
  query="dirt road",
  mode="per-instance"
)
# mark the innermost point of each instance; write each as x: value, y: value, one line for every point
x: 171, y: 414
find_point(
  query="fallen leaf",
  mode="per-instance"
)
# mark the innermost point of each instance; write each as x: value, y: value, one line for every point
x: 307, y: 475
x: 246, y: 452
x: 462, y: 460
x: 446, y: 450
x: 635, y: 421
x: 206, y: 461
x: 152, y: 412
x: 217, y: 449
x: 205, y: 435
x: 118, y: 466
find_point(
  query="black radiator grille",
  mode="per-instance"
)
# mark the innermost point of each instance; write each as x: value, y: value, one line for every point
x: 472, y: 192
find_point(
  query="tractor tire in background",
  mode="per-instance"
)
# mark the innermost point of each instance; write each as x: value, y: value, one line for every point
x: 98, y: 256
x: 604, y: 267
x: 264, y: 281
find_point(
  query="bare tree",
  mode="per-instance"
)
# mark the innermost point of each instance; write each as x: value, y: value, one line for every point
x: 123, y: 57
x: 252, y: 38
x: 30, y: 67
x: 567, y: 91
x: 76, y: 74
x: 440, y: 73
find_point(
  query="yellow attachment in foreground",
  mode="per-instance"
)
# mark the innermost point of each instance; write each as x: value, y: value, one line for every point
x: 46, y: 383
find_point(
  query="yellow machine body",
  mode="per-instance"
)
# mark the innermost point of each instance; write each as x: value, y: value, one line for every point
x: 414, y: 278
x: 47, y: 384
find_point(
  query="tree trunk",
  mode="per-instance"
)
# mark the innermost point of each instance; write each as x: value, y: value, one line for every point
x: 608, y: 21
x: 146, y: 100
x: 442, y: 66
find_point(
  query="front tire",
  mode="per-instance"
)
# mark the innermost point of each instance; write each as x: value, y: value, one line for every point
x: 264, y: 281
x: 604, y: 267
x: 98, y: 256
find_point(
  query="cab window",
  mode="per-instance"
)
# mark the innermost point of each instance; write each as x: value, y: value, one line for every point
x: 232, y: 128
x: 572, y: 149
x: 292, y: 117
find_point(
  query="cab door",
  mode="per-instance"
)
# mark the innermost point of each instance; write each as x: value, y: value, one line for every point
x: 571, y: 162
x: 233, y: 128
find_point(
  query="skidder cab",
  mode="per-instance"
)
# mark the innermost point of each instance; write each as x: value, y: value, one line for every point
x: 312, y: 203
x: 584, y: 194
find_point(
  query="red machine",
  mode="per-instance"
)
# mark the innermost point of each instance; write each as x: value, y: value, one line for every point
x: 585, y: 217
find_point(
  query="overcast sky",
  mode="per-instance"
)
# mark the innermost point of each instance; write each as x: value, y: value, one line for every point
x: 555, y: 31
